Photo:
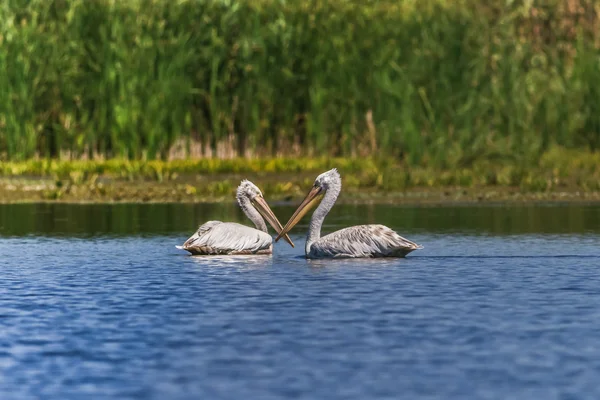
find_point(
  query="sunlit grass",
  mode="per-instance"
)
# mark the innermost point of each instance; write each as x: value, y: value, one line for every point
x: 156, y: 169
x: 558, y: 169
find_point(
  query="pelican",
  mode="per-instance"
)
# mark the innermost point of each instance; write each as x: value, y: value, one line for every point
x: 216, y: 237
x: 353, y: 242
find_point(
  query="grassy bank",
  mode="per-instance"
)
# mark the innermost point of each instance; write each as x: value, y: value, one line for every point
x: 370, y: 179
x: 438, y: 84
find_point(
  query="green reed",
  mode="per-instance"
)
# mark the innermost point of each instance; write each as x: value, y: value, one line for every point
x: 434, y: 82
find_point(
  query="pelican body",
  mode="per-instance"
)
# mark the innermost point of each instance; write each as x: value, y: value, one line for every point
x: 216, y: 237
x: 359, y: 241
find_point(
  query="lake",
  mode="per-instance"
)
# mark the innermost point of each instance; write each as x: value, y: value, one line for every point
x: 502, y: 302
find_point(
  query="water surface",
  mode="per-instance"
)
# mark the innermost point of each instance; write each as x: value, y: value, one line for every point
x: 96, y: 302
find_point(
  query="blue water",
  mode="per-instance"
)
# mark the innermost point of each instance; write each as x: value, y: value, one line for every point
x: 480, y: 312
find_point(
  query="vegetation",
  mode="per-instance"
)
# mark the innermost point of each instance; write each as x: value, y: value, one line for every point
x: 557, y: 170
x: 435, y: 85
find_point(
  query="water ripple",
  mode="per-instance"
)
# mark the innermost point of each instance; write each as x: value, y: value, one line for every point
x: 133, y: 317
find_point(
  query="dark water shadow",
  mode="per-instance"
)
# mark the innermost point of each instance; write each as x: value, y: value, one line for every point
x: 166, y: 219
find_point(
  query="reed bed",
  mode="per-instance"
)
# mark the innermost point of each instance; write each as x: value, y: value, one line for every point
x: 434, y: 83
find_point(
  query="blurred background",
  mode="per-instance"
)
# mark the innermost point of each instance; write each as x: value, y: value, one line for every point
x: 496, y: 92
x: 434, y: 81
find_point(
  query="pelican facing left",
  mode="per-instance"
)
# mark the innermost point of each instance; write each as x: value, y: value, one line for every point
x: 216, y: 237
x: 352, y: 242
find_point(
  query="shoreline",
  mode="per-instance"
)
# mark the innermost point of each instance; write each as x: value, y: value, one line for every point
x: 560, y: 177
x: 21, y: 190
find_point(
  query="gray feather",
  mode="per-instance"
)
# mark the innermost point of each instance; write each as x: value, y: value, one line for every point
x: 355, y: 241
x: 216, y: 237
x: 362, y: 241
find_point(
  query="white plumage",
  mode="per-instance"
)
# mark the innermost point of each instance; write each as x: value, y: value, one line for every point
x: 362, y: 241
x: 353, y: 242
x: 216, y: 237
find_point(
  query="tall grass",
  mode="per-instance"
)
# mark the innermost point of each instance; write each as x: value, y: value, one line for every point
x: 433, y: 82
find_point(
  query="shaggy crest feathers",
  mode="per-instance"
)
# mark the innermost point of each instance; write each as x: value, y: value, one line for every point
x: 248, y: 189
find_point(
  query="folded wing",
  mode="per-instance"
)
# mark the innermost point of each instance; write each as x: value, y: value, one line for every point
x: 216, y: 237
x: 363, y: 241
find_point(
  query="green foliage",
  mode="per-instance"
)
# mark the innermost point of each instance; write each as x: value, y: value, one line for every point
x: 435, y: 83
x: 558, y: 169
x: 157, y: 170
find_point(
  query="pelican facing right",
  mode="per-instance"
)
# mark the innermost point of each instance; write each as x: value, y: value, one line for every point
x: 216, y: 237
x: 359, y: 241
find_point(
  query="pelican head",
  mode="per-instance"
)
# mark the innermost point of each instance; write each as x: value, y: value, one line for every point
x: 248, y: 191
x: 324, y: 182
x: 328, y: 179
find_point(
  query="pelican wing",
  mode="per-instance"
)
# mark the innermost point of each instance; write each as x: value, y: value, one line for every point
x: 362, y: 241
x: 216, y: 237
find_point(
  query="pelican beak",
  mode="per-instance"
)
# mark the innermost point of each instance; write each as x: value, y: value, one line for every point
x: 312, y: 198
x: 263, y: 208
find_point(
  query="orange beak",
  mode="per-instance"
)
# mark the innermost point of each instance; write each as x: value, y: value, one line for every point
x: 263, y: 208
x: 311, y: 199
